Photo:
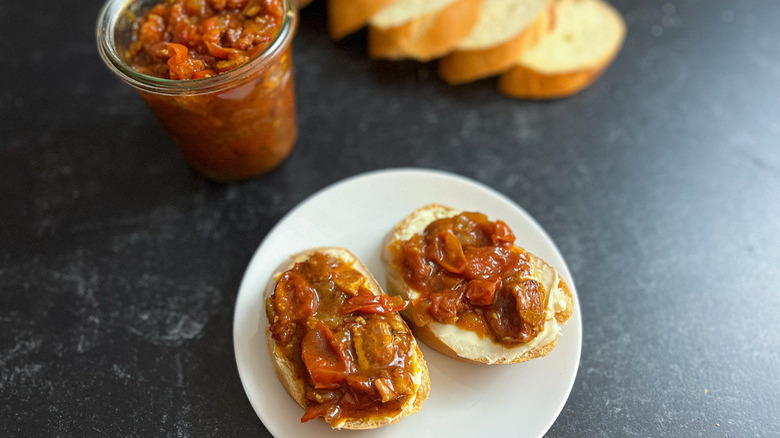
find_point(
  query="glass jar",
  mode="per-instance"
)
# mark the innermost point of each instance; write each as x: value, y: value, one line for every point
x: 231, y: 126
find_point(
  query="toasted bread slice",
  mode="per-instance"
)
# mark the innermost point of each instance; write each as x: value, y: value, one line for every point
x: 421, y: 29
x: 585, y: 38
x: 348, y: 16
x: 290, y: 377
x: 464, y: 344
x: 504, y: 30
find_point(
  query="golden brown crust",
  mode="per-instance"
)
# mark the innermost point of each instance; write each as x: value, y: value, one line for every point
x: 462, y: 66
x: 303, y: 3
x: 427, y: 334
x: 284, y: 370
x: 566, y: 313
x: 426, y: 37
x: 347, y: 16
x: 525, y: 83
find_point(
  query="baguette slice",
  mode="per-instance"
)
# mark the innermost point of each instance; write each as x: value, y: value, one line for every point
x: 285, y: 368
x: 504, y: 30
x: 463, y: 344
x: 586, y: 37
x: 347, y: 16
x: 421, y: 29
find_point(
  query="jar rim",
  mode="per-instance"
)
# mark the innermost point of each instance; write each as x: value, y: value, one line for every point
x: 106, y: 39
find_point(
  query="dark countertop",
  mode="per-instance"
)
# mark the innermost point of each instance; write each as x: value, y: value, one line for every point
x: 660, y: 184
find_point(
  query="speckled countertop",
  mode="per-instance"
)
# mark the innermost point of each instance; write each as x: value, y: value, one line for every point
x: 660, y: 184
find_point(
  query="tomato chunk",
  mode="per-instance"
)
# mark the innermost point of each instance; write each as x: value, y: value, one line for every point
x: 315, y: 411
x: 480, y: 292
x: 295, y: 298
x: 181, y: 65
x: 501, y: 233
x: 328, y: 366
x: 448, y: 252
x: 366, y: 302
x: 417, y: 269
x: 445, y: 305
x: 529, y: 296
x: 486, y: 262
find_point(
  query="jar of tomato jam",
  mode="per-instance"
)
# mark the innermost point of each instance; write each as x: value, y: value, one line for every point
x: 218, y: 75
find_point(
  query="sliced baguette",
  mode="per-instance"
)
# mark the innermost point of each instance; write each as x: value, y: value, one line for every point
x: 421, y: 29
x: 285, y: 368
x: 466, y: 345
x: 504, y: 30
x: 347, y: 16
x: 586, y: 37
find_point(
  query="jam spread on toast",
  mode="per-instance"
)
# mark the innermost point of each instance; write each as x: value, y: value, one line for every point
x: 467, y: 271
x: 348, y: 346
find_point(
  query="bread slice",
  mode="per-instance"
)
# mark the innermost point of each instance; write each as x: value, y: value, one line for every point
x: 586, y: 37
x: 347, y: 16
x: 421, y: 29
x: 464, y: 344
x: 285, y: 368
x: 504, y: 30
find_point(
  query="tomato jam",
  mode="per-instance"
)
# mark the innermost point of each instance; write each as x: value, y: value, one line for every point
x: 218, y: 74
x: 468, y: 272
x: 195, y: 39
x: 349, y: 346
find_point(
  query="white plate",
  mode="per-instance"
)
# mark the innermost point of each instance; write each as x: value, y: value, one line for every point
x: 465, y: 400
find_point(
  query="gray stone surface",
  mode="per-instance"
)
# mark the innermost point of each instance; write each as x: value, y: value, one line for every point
x: 660, y: 184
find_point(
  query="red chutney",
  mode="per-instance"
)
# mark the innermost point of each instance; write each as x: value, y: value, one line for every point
x: 195, y: 39
x: 232, y: 130
x: 348, y: 346
x: 469, y: 272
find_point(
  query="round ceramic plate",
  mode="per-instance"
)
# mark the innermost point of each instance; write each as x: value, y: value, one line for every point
x: 466, y: 400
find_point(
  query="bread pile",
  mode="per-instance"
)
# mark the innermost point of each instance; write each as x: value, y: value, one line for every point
x: 542, y: 49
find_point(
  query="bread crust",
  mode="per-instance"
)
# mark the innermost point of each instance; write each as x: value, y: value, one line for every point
x: 348, y: 16
x: 432, y: 334
x: 462, y: 66
x: 525, y: 82
x: 284, y: 369
x: 425, y: 37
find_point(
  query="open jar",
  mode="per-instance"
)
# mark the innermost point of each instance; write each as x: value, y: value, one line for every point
x: 229, y: 126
